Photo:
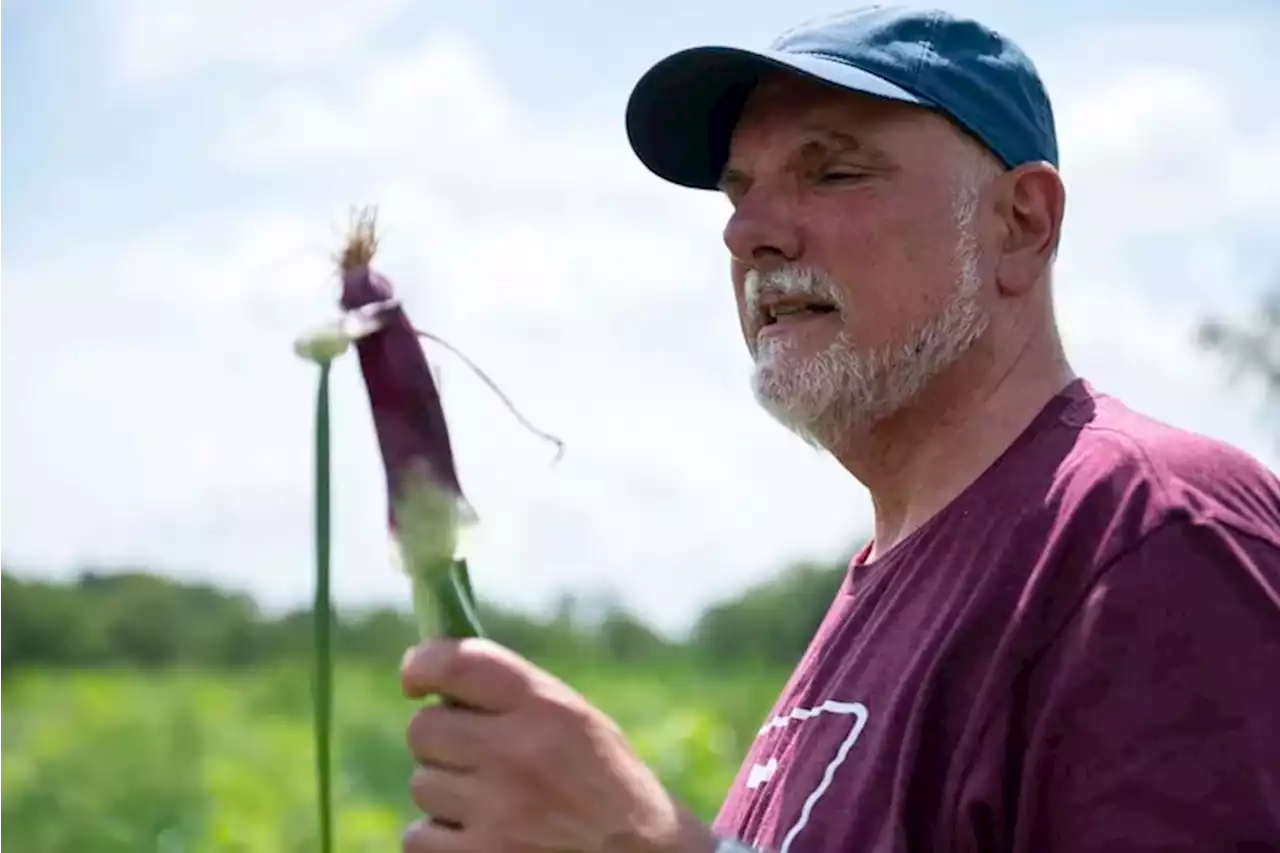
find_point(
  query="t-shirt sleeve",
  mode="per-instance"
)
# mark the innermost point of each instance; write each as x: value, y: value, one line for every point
x: 1154, y: 716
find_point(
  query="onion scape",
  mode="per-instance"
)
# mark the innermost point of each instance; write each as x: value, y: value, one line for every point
x: 427, y: 512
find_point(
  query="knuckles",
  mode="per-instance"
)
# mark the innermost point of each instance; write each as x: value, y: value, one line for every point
x: 537, y: 742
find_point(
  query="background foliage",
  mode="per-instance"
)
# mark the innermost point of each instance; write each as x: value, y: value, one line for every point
x: 147, y: 714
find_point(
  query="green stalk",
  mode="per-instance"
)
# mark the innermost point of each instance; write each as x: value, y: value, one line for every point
x: 323, y: 617
x: 443, y: 602
x: 431, y: 524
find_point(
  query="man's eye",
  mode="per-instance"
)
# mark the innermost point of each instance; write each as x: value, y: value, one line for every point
x: 830, y: 176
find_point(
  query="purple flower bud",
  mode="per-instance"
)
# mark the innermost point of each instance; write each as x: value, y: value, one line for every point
x: 407, y: 415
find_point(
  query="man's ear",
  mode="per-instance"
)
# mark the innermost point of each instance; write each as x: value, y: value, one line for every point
x: 1031, y: 202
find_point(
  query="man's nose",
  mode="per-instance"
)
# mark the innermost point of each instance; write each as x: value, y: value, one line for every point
x: 762, y: 233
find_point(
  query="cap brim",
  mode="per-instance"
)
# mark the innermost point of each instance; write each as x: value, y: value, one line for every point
x: 682, y: 112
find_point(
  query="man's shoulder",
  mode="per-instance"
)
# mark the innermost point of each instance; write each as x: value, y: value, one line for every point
x: 1153, y: 645
x: 1099, y: 477
x: 1125, y: 460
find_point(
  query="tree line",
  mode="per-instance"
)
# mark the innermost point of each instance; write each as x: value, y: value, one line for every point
x: 145, y: 619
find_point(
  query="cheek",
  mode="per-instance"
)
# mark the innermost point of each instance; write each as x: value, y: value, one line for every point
x: 869, y: 252
x: 892, y: 264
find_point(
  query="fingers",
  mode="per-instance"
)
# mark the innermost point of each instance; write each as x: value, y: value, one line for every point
x: 446, y: 795
x: 424, y: 836
x: 448, y: 737
x: 474, y: 672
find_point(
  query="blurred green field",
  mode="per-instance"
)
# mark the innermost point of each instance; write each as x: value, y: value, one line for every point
x: 124, y: 762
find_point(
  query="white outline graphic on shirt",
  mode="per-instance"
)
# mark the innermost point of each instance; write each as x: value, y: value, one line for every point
x: 852, y: 709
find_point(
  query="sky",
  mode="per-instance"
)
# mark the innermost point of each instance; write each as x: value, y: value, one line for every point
x: 179, y: 174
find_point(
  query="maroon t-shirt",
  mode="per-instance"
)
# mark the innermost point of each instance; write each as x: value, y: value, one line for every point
x: 1080, y: 653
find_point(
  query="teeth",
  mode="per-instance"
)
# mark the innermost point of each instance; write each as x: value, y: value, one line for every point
x: 791, y: 310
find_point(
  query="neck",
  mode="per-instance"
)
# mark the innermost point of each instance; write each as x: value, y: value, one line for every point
x: 921, y: 458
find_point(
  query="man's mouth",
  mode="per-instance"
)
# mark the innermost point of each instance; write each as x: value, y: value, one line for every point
x: 791, y: 311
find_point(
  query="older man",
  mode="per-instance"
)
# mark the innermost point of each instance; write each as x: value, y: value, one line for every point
x: 1065, y: 634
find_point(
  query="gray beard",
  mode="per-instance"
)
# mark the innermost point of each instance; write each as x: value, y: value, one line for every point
x: 845, y: 389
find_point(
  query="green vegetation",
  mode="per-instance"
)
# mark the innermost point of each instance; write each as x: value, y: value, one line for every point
x: 124, y: 762
x: 146, y: 715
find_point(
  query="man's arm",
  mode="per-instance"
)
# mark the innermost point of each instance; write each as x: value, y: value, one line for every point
x: 1155, y: 714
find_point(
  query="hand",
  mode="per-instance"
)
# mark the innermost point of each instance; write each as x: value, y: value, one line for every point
x: 518, y: 762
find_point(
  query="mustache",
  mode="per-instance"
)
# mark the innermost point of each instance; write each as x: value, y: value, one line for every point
x: 790, y: 281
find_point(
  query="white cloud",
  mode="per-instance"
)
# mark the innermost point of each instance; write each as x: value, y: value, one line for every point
x: 169, y: 422
x: 163, y: 42
x: 428, y: 105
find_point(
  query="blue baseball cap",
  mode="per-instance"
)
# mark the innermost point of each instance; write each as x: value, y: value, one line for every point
x: 682, y: 112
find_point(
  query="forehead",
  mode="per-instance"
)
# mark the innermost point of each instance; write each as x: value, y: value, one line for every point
x: 786, y: 111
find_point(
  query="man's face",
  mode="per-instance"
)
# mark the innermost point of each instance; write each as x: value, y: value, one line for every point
x: 857, y: 252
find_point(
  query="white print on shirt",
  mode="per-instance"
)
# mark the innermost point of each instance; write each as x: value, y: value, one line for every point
x: 762, y: 773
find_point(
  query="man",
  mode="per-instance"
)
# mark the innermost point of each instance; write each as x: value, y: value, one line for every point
x: 1065, y: 634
